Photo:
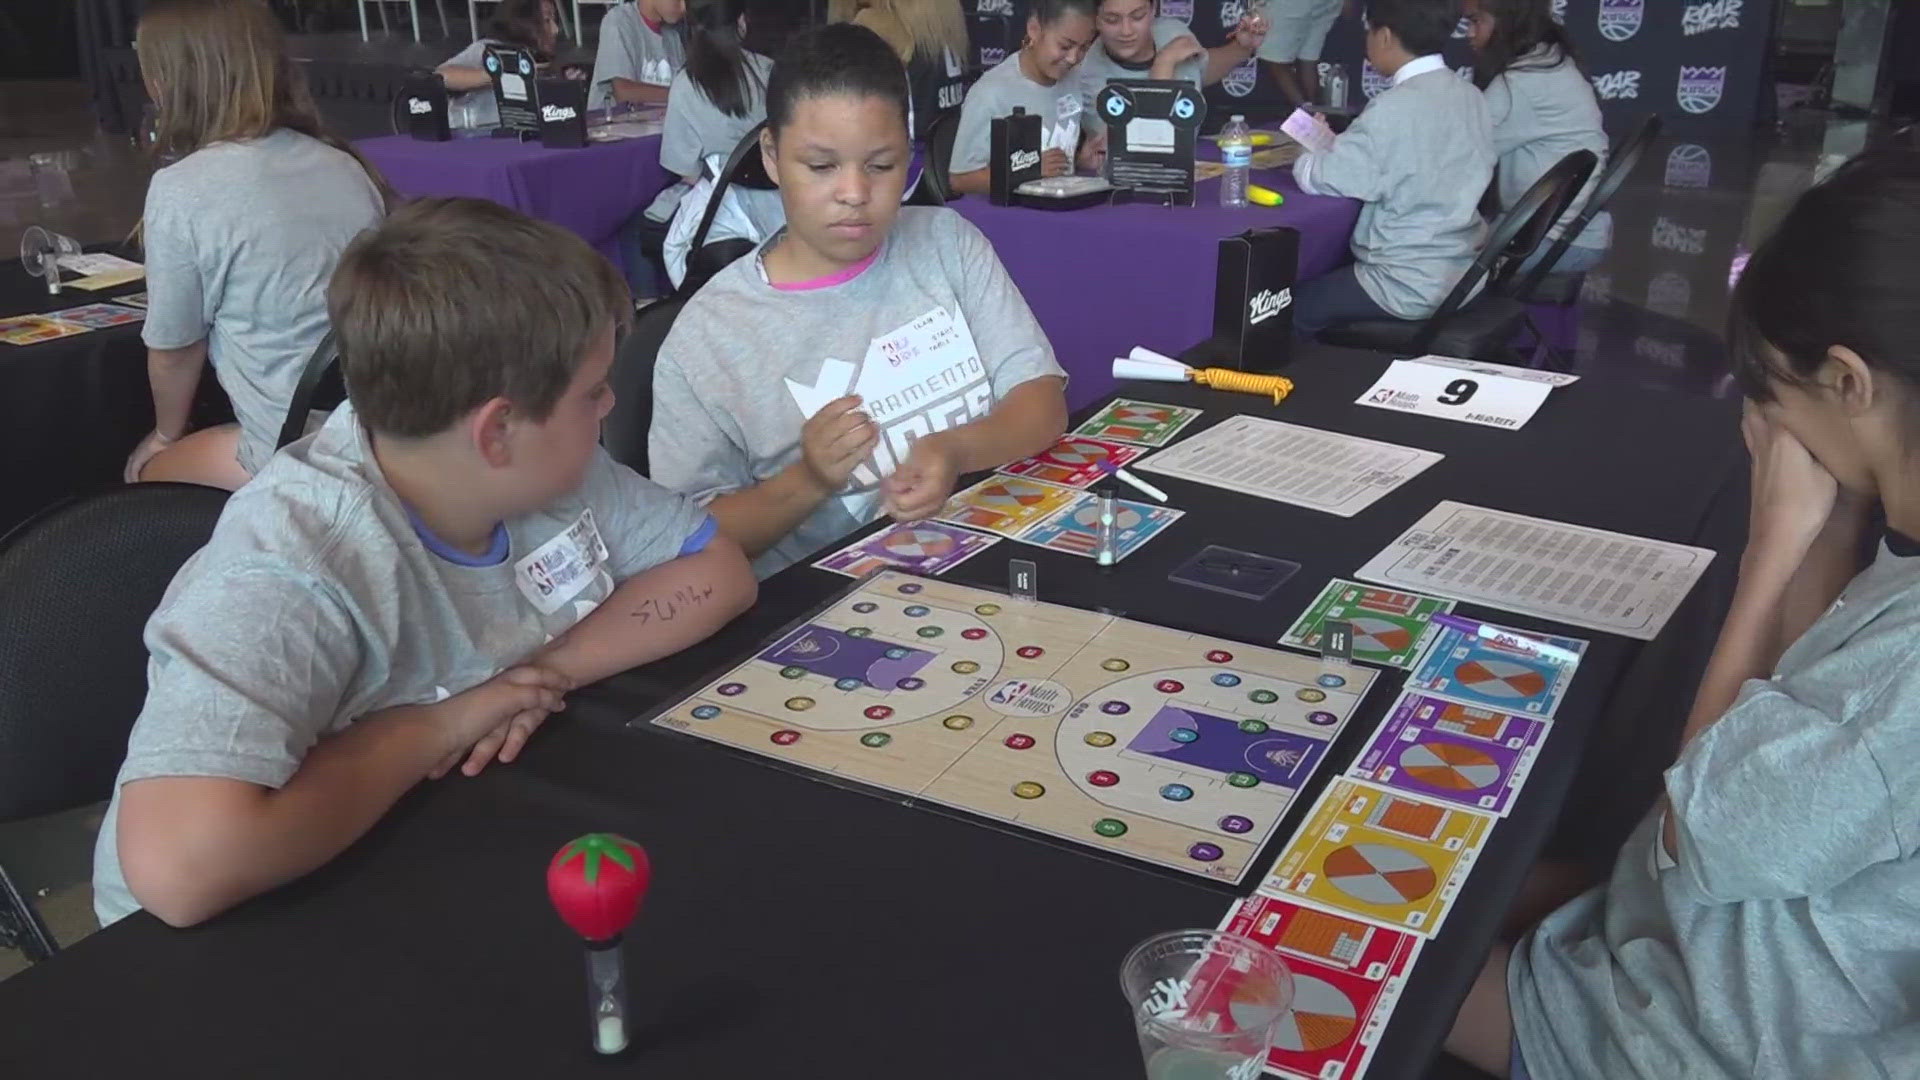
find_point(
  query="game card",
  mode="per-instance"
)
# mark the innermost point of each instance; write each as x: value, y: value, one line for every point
x: 30, y: 329
x: 1076, y: 529
x: 1006, y: 504
x: 1140, y: 422
x: 1074, y: 461
x: 926, y: 547
x: 1347, y: 976
x: 138, y: 300
x: 99, y: 316
x: 1474, y: 671
x: 1381, y: 856
x: 1389, y: 627
x: 1445, y: 751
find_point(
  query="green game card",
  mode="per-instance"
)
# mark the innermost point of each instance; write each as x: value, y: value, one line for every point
x: 1389, y: 627
x: 1142, y: 422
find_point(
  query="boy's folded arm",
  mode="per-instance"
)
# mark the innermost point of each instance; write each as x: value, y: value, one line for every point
x: 657, y: 613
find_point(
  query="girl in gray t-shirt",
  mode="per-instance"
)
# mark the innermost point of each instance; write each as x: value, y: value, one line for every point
x: 1764, y: 920
x: 1038, y: 79
x: 528, y: 24
x: 241, y: 234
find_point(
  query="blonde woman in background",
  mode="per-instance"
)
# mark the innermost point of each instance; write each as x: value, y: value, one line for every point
x: 931, y: 38
x: 241, y: 232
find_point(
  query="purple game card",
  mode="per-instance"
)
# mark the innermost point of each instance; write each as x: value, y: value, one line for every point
x: 1442, y: 750
x: 1222, y: 745
x: 836, y: 654
x: 925, y: 547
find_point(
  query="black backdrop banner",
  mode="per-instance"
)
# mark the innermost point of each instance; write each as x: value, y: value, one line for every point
x: 1698, y: 63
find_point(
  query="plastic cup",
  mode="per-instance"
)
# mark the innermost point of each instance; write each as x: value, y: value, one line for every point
x: 1205, y: 1003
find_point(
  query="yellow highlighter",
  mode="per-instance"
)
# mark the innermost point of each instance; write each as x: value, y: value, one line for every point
x: 1264, y: 196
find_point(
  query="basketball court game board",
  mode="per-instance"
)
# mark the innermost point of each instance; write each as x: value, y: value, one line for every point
x: 1151, y: 743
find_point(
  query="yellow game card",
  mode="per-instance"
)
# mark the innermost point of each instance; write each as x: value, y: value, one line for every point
x: 1006, y: 505
x: 1382, y: 856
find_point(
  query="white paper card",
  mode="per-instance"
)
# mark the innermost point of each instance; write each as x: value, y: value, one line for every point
x: 1490, y: 399
x: 1551, y: 378
x: 1320, y: 470
x: 1309, y: 131
x: 1569, y: 573
x: 87, y: 264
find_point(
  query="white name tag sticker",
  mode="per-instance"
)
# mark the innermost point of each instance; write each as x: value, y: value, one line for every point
x: 559, y: 569
x: 1472, y: 397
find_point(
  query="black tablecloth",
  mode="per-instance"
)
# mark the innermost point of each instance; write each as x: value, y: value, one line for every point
x: 801, y: 929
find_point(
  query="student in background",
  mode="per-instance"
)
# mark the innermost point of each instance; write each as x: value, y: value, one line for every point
x: 1419, y: 157
x: 1134, y: 44
x: 1762, y: 919
x: 640, y: 52
x: 758, y: 407
x: 411, y: 589
x: 529, y: 24
x: 1542, y: 108
x: 1038, y: 79
x: 931, y: 38
x: 714, y: 101
x: 241, y: 232
x: 1295, y: 40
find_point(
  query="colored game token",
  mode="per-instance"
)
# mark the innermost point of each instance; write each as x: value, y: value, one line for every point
x: 1183, y: 735
x: 792, y: 671
x: 914, y: 611
x: 1017, y: 741
x: 1220, y: 656
x: 973, y: 633
x: 1027, y: 789
x: 1115, y: 664
x: 705, y: 712
x: 1115, y: 708
x: 1330, y: 680
x: 1310, y: 695
x: 910, y: 683
x: 1110, y: 827
x: 896, y: 653
x: 965, y: 667
x: 1242, y: 779
x: 1205, y: 852
x: 929, y: 631
x: 1236, y: 824
x: 865, y: 606
x: 859, y: 631
x: 875, y: 739
x: 1322, y: 719
x: 1102, y: 778
x: 910, y: 588
x: 878, y: 712
x: 1176, y: 793
x: 1169, y: 686
x: 848, y: 684
x: 1264, y: 697
x: 956, y: 722
x: 1099, y: 738
x: 1029, y: 652
x: 1226, y: 678
x: 1254, y: 727
x: 731, y: 689
x: 785, y: 737
x: 799, y: 704
x: 987, y: 609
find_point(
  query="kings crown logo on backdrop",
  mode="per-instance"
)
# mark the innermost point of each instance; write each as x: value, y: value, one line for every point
x: 991, y: 56
x: 1177, y: 9
x: 1242, y: 79
x: 1371, y: 79
x: 1689, y: 165
x: 1621, y: 19
x: 1700, y: 88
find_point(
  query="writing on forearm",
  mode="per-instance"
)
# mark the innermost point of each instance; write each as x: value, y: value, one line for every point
x: 666, y: 608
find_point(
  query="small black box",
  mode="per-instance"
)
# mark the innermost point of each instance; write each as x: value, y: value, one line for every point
x: 424, y: 97
x: 1013, y: 154
x: 563, y: 113
x: 1253, y: 300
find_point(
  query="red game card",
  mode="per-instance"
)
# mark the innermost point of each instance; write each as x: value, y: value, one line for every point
x: 1074, y: 461
x: 1346, y: 977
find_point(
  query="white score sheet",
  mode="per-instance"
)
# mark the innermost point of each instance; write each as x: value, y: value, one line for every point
x: 1588, y: 577
x: 1320, y: 470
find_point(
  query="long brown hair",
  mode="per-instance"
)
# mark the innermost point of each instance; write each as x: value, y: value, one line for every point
x: 218, y: 71
x: 911, y: 26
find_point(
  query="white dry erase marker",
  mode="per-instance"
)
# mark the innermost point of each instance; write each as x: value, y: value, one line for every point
x: 1138, y: 484
x: 1509, y: 639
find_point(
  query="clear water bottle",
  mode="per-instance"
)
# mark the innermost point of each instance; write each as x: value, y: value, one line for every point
x: 1236, y: 153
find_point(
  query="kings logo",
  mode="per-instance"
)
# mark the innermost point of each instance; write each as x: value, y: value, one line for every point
x: 1177, y: 9
x: 1700, y: 88
x: 1689, y: 165
x: 1266, y: 304
x: 1242, y: 79
x: 1621, y: 19
x: 993, y: 7
x: 1371, y: 79
x: 992, y: 57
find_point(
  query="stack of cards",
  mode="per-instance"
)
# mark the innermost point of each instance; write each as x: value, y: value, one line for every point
x: 1075, y: 461
x: 30, y: 329
x: 1389, y: 627
x: 1051, y: 516
x: 925, y: 547
x: 1474, y: 671
x: 99, y: 316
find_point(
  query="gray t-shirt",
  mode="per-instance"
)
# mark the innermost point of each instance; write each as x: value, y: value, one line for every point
x: 696, y: 128
x: 1419, y: 157
x: 241, y: 239
x: 932, y: 333
x: 317, y: 602
x: 997, y: 93
x: 1100, y: 68
x: 630, y: 49
x: 1540, y: 115
x: 1782, y: 941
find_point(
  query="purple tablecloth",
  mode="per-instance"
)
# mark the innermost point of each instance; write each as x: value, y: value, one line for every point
x: 592, y: 191
x: 1107, y: 278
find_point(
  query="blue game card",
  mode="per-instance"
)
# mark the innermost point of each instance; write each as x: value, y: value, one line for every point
x: 1474, y: 671
x: 1075, y: 527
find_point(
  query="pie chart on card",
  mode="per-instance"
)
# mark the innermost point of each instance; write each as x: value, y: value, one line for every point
x: 919, y: 543
x: 1321, y: 1017
x: 1379, y: 874
x: 1500, y: 679
x: 1374, y: 635
x: 1449, y: 766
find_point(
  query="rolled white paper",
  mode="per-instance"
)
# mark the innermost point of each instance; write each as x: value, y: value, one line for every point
x: 1127, y: 368
x: 1148, y: 356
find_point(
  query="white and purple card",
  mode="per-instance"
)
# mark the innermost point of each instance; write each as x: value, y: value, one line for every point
x: 925, y: 547
x: 1441, y: 750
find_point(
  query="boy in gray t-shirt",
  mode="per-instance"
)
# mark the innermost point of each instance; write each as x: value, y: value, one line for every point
x: 413, y: 586
x: 864, y: 358
x: 641, y: 50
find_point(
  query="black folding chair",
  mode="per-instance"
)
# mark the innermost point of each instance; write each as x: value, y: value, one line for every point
x: 320, y: 387
x: 78, y: 582
x: 1541, y: 285
x: 936, y: 183
x: 624, y: 431
x: 744, y: 168
x: 1484, y: 328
